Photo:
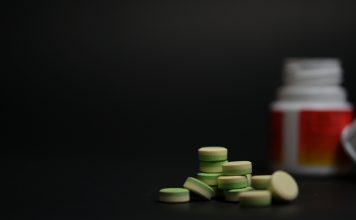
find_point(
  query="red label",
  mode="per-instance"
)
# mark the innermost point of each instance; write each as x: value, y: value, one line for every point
x: 276, y: 137
x: 319, y: 137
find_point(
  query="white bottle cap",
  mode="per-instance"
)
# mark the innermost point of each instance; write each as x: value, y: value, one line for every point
x: 348, y: 138
x: 312, y: 71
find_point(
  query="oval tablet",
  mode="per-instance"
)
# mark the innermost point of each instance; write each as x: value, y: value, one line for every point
x: 255, y: 198
x: 232, y: 182
x: 210, y: 179
x: 232, y: 195
x: 211, y: 166
x: 212, y: 153
x: 260, y: 181
x: 283, y: 186
x: 199, y: 188
x: 174, y: 195
x: 237, y: 168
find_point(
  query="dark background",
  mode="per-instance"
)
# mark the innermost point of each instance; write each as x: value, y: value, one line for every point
x: 101, y: 95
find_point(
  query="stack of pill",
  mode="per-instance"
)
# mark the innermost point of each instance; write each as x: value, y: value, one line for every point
x: 233, y: 181
x: 211, y: 160
x: 236, y: 178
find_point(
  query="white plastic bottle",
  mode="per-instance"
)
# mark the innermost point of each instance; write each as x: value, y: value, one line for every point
x: 308, y: 117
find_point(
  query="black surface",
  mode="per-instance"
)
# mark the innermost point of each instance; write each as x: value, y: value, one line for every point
x: 104, y: 187
x: 107, y: 98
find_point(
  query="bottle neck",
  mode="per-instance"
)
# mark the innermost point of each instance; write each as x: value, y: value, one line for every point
x: 312, y: 94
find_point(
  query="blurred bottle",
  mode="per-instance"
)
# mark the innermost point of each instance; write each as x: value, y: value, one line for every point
x: 308, y: 117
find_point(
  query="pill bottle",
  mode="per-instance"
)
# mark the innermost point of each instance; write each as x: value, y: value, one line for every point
x: 308, y: 117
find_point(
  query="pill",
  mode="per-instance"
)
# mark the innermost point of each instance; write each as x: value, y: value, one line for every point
x: 212, y: 153
x: 232, y: 195
x: 255, y: 198
x: 198, y: 187
x: 260, y: 181
x: 211, y: 167
x: 210, y: 179
x: 237, y: 168
x: 174, y: 195
x: 248, y: 176
x: 283, y: 186
x: 232, y: 182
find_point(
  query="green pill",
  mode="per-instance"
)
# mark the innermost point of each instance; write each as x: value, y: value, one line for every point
x: 232, y: 195
x: 212, y: 153
x: 255, y: 198
x: 283, y: 186
x: 237, y: 168
x: 211, y: 167
x: 232, y: 182
x: 210, y: 179
x: 174, y: 195
x: 198, y: 187
x: 260, y: 181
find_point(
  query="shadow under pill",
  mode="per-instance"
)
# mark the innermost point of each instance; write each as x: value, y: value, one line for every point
x: 176, y: 207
